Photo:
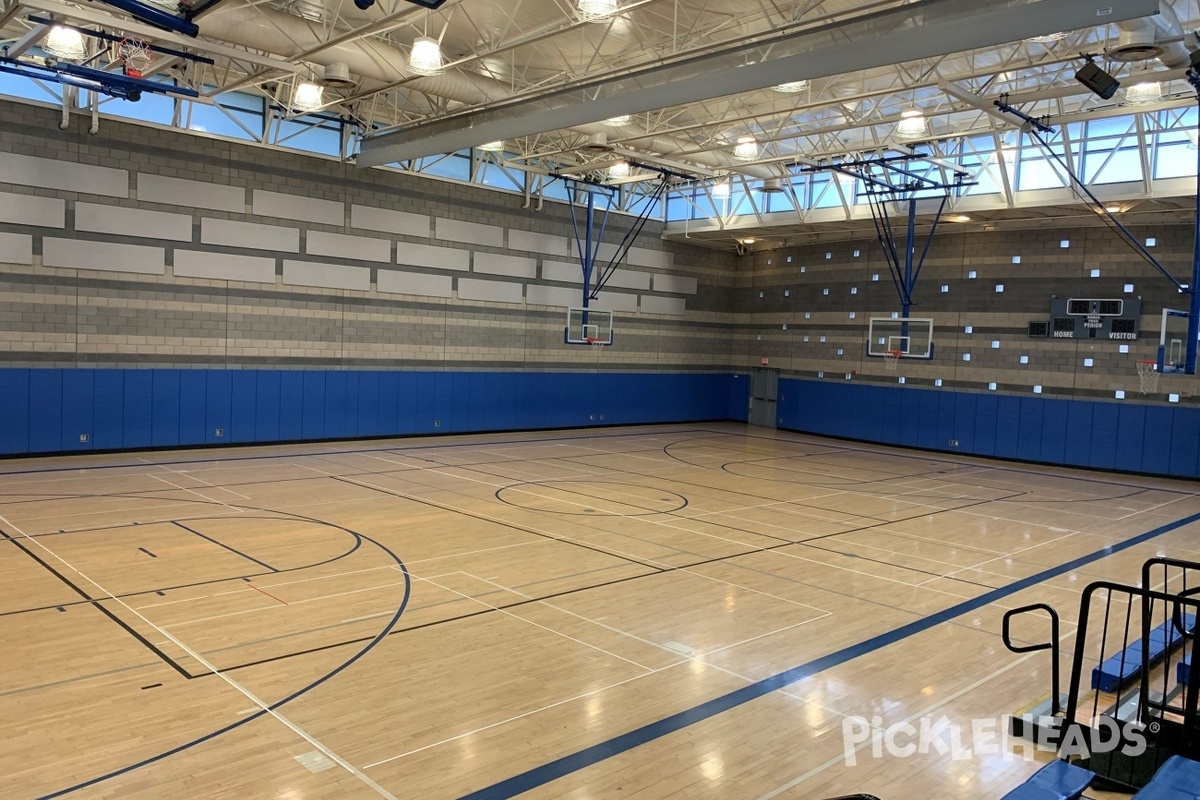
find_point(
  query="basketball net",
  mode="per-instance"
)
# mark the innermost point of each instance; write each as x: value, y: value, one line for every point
x: 135, y: 56
x: 1148, y: 375
x: 891, y: 360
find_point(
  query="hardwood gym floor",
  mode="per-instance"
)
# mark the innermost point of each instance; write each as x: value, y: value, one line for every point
x: 543, y: 614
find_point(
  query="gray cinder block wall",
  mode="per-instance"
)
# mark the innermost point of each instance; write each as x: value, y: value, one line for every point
x: 970, y: 281
x: 144, y: 246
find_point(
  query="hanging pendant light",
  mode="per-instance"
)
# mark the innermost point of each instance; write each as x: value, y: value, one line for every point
x: 619, y: 120
x: 792, y: 87
x: 1144, y: 94
x: 913, y: 124
x: 596, y: 10
x: 619, y: 169
x: 746, y: 148
x: 307, y: 97
x: 65, y: 43
x: 722, y: 189
x: 426, y: 57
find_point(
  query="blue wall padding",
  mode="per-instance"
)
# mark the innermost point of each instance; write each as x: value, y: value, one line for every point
x: 48, y: 410
x: 1126, y: 436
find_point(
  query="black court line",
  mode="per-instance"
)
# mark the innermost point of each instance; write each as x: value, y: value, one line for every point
x: 938, y: 456
x: 98, y: 603
x: 399, y: 450
x: 263, y: 564
x: 399, y: 612
x: 501, y: 523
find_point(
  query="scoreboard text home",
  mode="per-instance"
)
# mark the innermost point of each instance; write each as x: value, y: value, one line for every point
x: 1077, y: 318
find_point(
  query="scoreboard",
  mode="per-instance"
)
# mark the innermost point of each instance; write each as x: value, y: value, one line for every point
x: 1084, y: 318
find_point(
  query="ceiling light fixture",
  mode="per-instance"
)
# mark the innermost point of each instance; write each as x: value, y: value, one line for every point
x: 1144, y: 94
x: 1113, y: 209
x: 746, y: 148
x: 618, y: 169
x: 597, y: 10
x: 792, y: 87
x: 619, y: 120
x: 961, y: 218
x: 426, y: 57
x: 722, y: 189
x: 913, y: 124
x: 307, y: 97
x: 748, y: 240
x: 65, y: 43
x: 1049, y: 38
x: 492, y: 147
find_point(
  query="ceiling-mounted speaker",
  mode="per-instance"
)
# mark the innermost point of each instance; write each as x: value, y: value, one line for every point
x: 1098, y: 81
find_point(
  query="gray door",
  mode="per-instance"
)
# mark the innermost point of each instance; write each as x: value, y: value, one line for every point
x: 764, y: 394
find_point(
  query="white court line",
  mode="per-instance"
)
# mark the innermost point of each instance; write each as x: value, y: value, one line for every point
x: 198, y: 494
x: 610, y: 550
x: 277, y: 606
x: 346, y: 765
x: 838, y: 759
x: 206, y: 483
x: 508, y: 613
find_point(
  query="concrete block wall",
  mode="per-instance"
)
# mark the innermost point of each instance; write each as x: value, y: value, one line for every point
x: 807, y: 309
x: 148, y: 247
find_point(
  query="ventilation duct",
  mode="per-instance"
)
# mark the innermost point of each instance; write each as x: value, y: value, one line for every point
x: 1145, y: 39
x: 337, y: 74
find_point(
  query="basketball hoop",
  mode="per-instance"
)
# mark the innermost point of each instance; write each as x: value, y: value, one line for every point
x: 135, y: 56
x: 891, y: 359
x: 1148, y: 375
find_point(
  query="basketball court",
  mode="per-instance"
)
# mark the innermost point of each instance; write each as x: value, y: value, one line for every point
x: 665, y: 611
x: 599, y: 399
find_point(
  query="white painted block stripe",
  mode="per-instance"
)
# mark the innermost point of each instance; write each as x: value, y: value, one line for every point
x: 81, y: 254
x: 511, y: 266
x: 675, y: 284
x: 617, y: 301
x: 120, y: 221
x: 663, y: 305
x: 341, y: 245
x: 560, y: 296
x: 326, y: 276
x: 538, y: 242
x: 562, y: 271
x: 628, y: 279
x: 53, y: 174
x: 224, y: 267
x: 419, y: 283
x: 426, y: 255
x: 641, y: 257
x: 16, y: 248
x: 398, y: 222
x: 253, y: 235
x: 24, y: 209
x: 190, y: 194
x: 307, y: 209
x: 491, y: 291
x: 453, y: 230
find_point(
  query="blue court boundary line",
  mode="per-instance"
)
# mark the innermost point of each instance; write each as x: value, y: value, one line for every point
x: 559, y: 768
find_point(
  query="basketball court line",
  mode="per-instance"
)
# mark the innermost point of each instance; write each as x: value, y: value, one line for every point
x: 608, y: 551
x: 218, y: 458
x: 270, y: 710
x: 579, y: 760
x: 881, y: 524
x: 264, y: 709
x: 714, y: 536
